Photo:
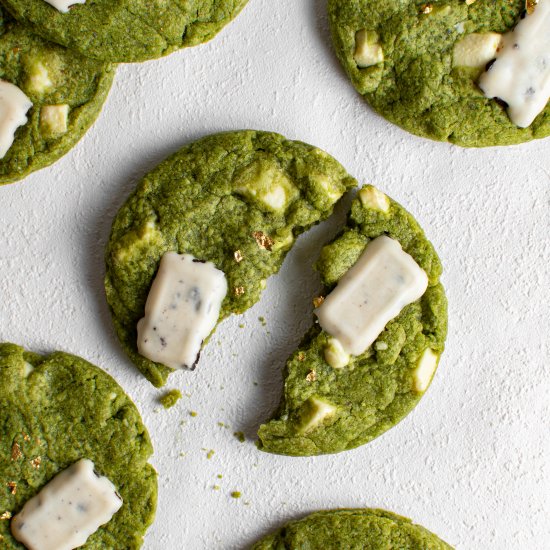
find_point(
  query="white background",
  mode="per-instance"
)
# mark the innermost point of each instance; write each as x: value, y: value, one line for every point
x: 471, y: 462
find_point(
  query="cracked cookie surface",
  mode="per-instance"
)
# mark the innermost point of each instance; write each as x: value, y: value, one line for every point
x: 127, y: 30
x: 412, y: 80
x: 236, y: 199
x: 57, y: 409
x: 327, y: 410
x: 353, y: 529
x: 58, y: 82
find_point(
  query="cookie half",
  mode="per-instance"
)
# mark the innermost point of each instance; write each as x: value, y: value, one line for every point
x: 126, y: 31
x: 66, y: 90
x: 353, y: 529
x: 236, y: 200
x: 56, y: 410
x: 333, y: 401
x: 418, y: 64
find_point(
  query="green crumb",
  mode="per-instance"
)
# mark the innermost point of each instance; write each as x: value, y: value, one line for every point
x: 263, y: 321
x: 236, y: 494
x: 193, y: 413
x: 255, y: 383
x: 210, y: 454
x: 240, y: 436
x: 222, y: 425
x: 170, y: 398
x: 241, y: 325
x: 219, y: 476
x: 216, y: 487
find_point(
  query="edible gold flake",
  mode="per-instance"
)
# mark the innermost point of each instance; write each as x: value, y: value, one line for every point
x: 530, y: 6
x: 12, y: 485
x: 301, y: 356
x: 239, y: 290
x: 16, y: 451
x: 312, y: 376
x: 318, y: 301
x: 426, y: 8
x: 238, y: 256
x: 6, y: 515
x: 36, y: 462
x: 26, y: 437
x: 263, y: 240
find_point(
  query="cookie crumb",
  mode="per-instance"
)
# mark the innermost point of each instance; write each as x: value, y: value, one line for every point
x: 240, y: 436
x: 170, y: 398
x: 193, y: 413
x: 210, y: 454
x: 236, y: 494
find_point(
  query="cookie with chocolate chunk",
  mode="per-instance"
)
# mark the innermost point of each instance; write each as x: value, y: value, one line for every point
x: 63, y: 94
x: 337, y: 396
x: 128, y: 30
x: 418, y: 64
x: 235, y: 200
x: 57, y: 409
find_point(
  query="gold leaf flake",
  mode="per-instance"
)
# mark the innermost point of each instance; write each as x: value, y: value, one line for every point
x: 530, y: 6
x: 239, y: 290
x: 301, y: 356
x: 312, y: 376
x: 12, y: 485
x: 16, y: 451
x: 36, y: 462
x: 263, y: 240
x: 238, y: 256
x: 318, y: 301
x: 426, y: 8
x: 26, y: 437
x: 6, y: 515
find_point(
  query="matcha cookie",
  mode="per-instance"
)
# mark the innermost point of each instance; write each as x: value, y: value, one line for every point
x: 235, y: 200
x: 64, y: 93
x: 419, y: 64
x: 56, y: 410
x: 333, y: 401
x: 354, y: 529
x: 126, y: 31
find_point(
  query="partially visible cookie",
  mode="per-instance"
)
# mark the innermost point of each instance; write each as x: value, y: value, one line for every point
x: 236, y: 200
x: 334, y: 401
x: 352, y: 529
x: 418, y: 64
x: 65, y: 93
x: 127, y: 30
x: 56, y: 410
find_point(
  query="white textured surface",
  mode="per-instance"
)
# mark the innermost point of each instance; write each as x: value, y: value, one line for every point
x: 471, y: 462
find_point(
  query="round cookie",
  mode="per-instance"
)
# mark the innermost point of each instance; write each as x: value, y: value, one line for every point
x: 236, y: 199
x: 353, y: 529
x: 57, y: 409
x: 127, y: 31
x: 67, y: 92
x: 412, y: 77
x: 325, y: 409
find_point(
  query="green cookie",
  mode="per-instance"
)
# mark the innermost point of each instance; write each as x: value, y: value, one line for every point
x: 67, y: 92
x: 401, y: 57
x: 354, y: 529
x: 127, y: 30
x: 236, y: 199
x: 328, y: 409
x: 57, y: 409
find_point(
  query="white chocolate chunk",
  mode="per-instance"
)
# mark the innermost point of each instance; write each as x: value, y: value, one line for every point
x: 14, y: 105
x: 54, y: 119
x: 70, y: 508
x: 181, y: 311
x: 368, y: 51
x: 64, y: 5
x: 379, y: 285
x: 374, y: 199
x: 423, y: 374
x: 476, y: 49
x: 315, y: 411
x: 520, y: 76
x: 335, y: 355
x: 39, y: 78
